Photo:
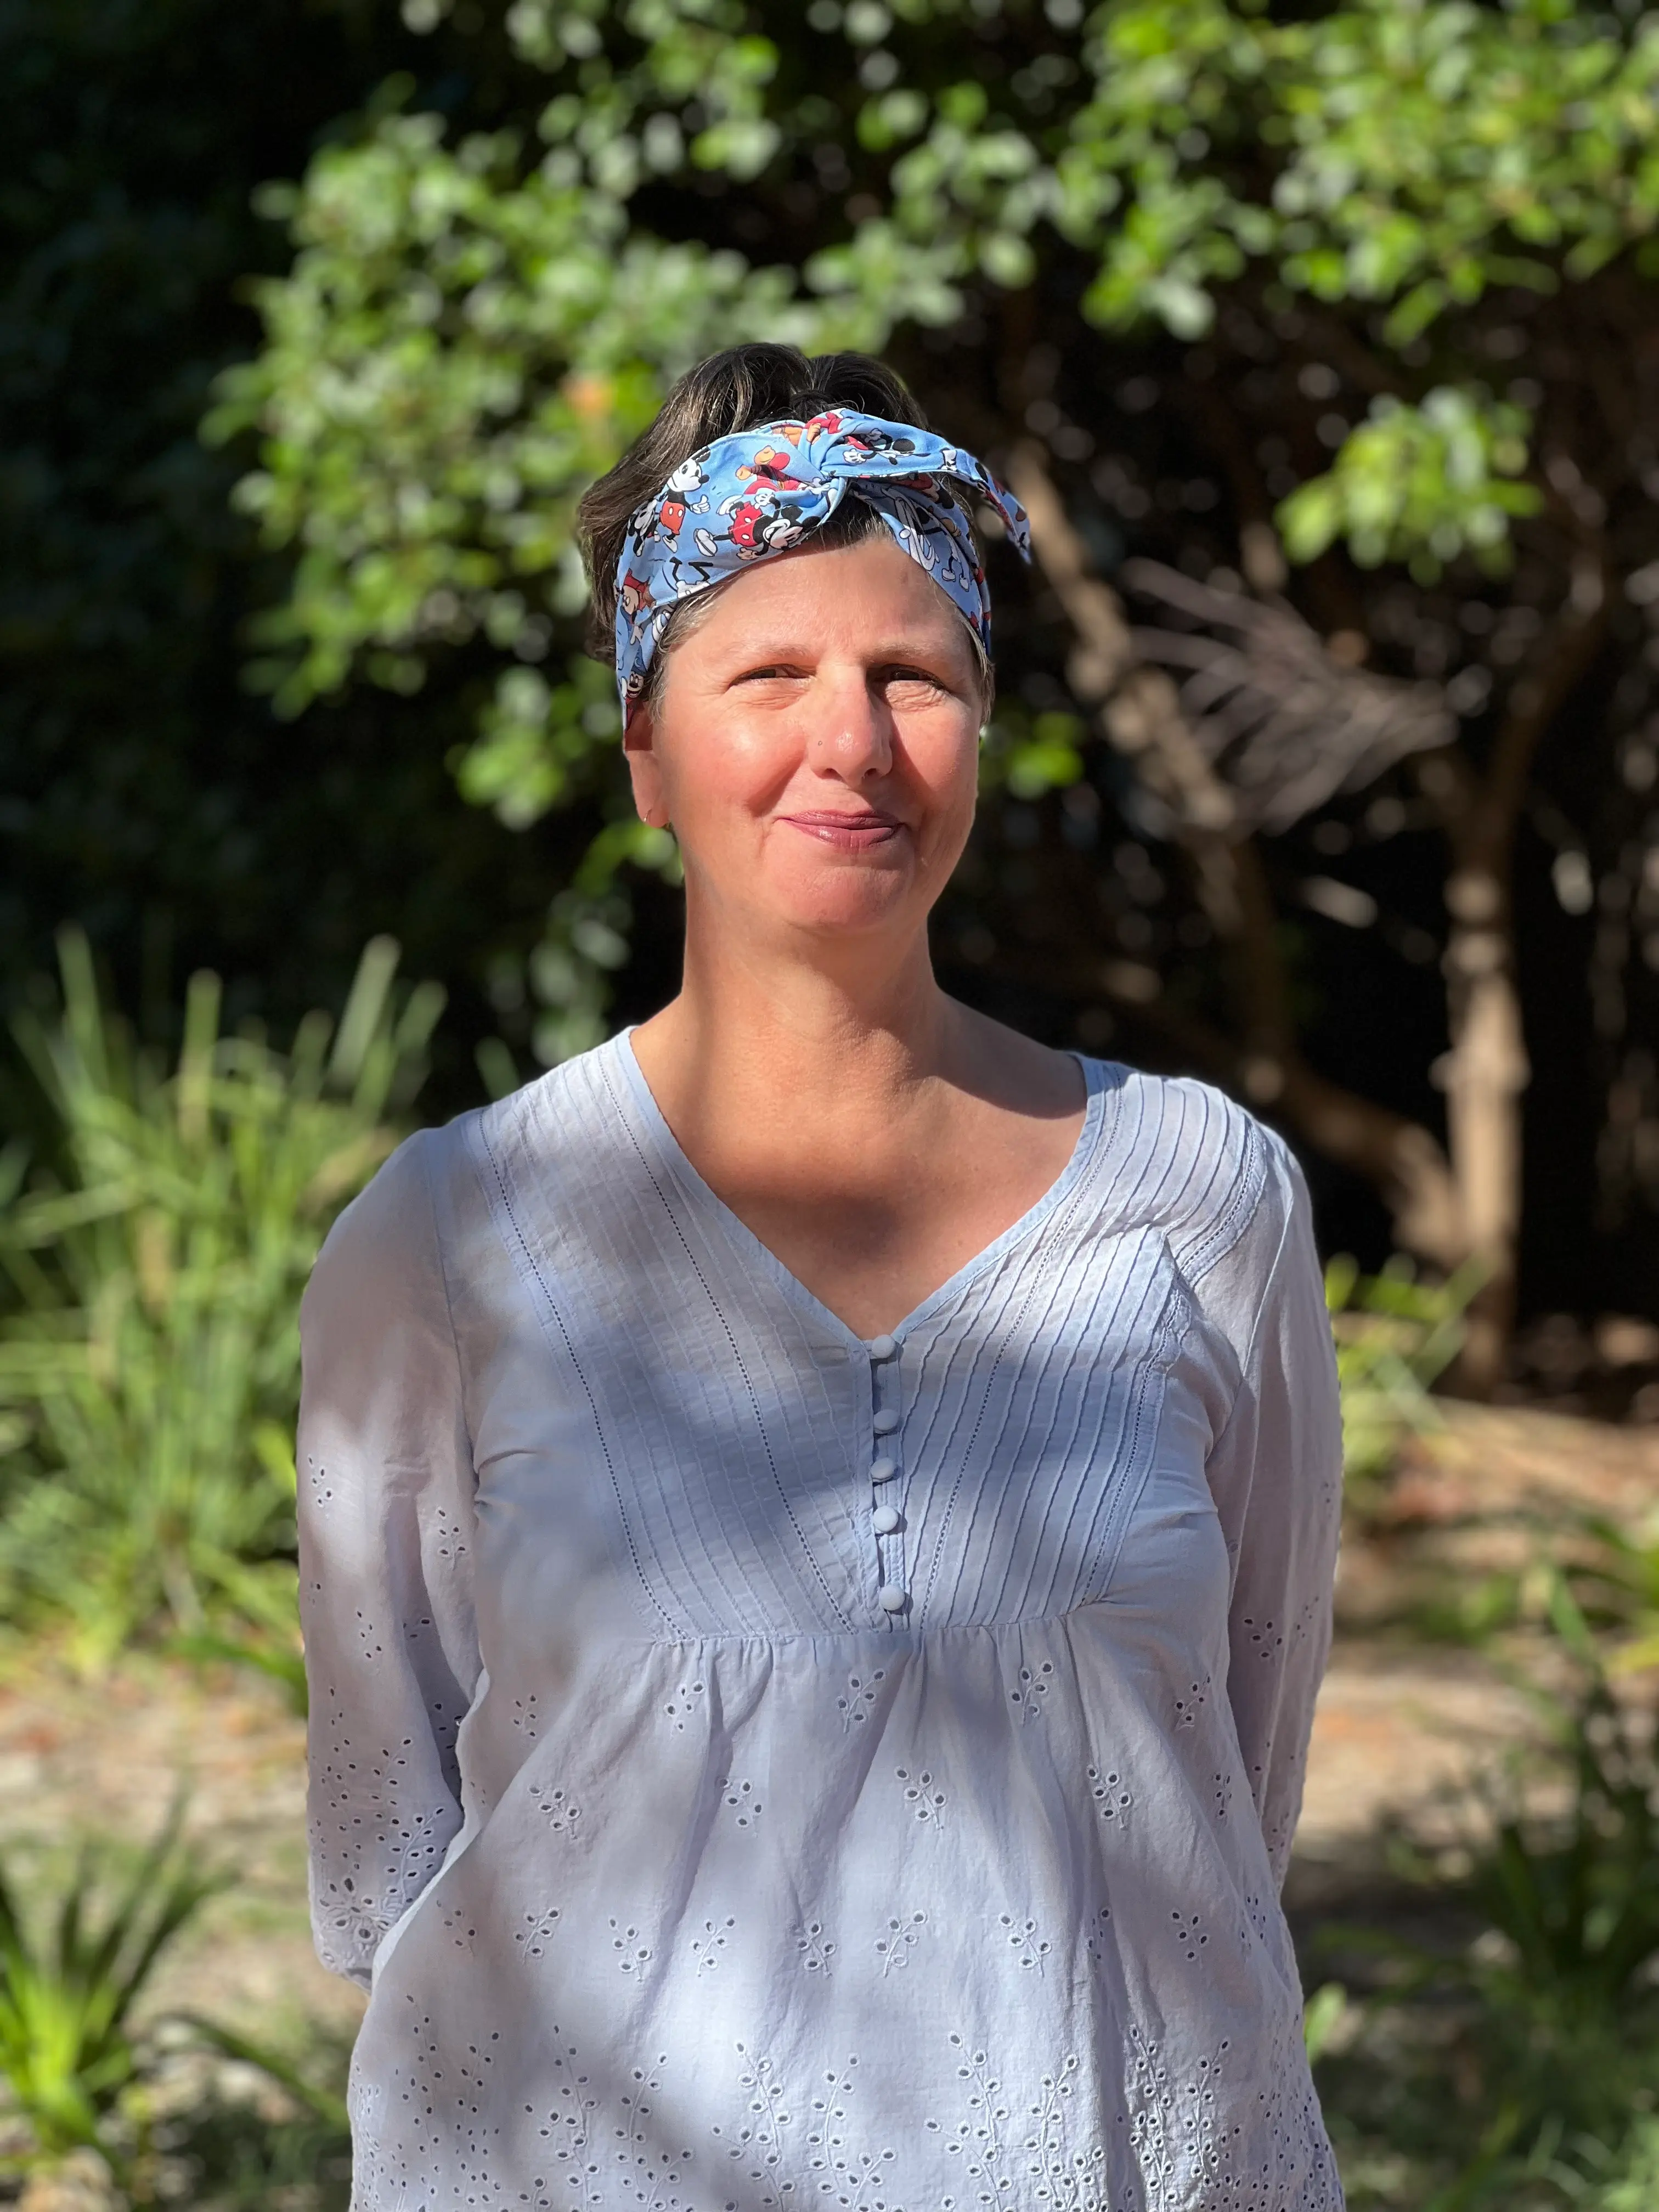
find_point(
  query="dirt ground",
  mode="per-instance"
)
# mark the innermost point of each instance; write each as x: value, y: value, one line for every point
x: 1402, y: 1720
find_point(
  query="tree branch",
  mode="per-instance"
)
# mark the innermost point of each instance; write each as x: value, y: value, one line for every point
x: 1140, y: 713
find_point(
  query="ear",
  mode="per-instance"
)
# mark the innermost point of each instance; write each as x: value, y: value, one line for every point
x: 644, y: 768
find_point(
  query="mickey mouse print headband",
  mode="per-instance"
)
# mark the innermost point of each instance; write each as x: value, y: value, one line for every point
x: 759, y: 493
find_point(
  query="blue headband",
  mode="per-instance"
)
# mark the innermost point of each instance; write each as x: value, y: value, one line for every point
x: 761, y: 492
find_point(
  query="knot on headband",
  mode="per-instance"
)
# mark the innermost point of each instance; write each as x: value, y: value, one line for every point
x: 759, y: 493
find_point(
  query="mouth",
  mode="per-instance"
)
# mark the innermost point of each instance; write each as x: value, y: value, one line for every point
x: 846, y: 832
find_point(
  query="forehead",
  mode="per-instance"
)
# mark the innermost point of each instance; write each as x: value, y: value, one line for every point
x: 869, y: 597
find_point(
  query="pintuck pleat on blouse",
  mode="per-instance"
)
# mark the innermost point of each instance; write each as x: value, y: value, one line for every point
x: 754, y: 1767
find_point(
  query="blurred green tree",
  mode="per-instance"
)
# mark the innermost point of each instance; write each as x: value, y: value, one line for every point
x: 1376, y: 266
x: 143, y: 791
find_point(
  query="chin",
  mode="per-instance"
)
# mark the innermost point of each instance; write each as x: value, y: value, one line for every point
x: 843, y: 902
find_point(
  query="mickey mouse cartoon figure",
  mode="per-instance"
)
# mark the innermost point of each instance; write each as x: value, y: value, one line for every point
x: 771, y: 466
x: 675, y: 505
x: 635, y: 595
x: 758, y: 528
x: 862, y: 446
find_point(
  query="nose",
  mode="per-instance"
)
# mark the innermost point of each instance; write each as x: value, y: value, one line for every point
x: 850, y: 734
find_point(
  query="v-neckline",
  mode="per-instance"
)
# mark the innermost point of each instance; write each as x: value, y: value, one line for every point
x: 760, y: 1255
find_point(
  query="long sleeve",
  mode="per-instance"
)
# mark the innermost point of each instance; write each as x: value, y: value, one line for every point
x: 1276, y: 1475
x: 385, y: 1514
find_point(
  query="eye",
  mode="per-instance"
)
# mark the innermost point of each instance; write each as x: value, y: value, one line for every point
x: 774, y: 671
x: 902, y: 676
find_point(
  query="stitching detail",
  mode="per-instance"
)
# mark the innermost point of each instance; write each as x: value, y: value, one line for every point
x: 1164, y: 1335
x: 421, y: 1151
x: 753, y: 1400
x: 1044, y: 1264
x: 532, y: 1266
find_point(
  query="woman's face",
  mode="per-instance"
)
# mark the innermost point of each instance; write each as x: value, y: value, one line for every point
x: 816, y: 745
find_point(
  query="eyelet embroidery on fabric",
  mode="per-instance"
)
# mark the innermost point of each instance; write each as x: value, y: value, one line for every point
x: 1268, y: 1643
x: 681, y: 1707
x: 977, y: 2140
x: 760, y: 2139
x: 1190, y: 1934
x: 524, y: 1716
x: 1028, y: 1945
x: 632, y: 1957
x: 651, y: 2176
x: 557, y: 1807
x: 566, y: 2126
x: 1112, y: 1800
x: 740, y: 1800
x: 927, y: 1803
x: 602, y: 2151
x: 1033, y: 1686
x: 533, y: 1938
x: 359, y: 1917
x: 896, y: 1941
x: 451, y: 1544
x: 1189, y: 1705
x: 1097, y: 1943
x: 850, y: 2175
x: 459, y: 1933
x: 707, y: 1948
x: 649, y: 2173
x: 855, y: 1704
x: 1065, y: 2178
x: 816, y: 1949
x: 317, y: 1482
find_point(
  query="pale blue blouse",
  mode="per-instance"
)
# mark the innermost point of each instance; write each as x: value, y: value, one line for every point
x: 755, y: 1767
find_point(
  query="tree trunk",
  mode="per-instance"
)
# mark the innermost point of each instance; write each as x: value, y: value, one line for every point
x: 1448, y: 1206
x: 1484, y: 1076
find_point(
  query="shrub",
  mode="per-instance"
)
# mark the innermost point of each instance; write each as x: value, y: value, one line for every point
x: 1394, y: 1336
x: 1505, y: 2058
x: 149, y: 1362
x: 66, y: 2001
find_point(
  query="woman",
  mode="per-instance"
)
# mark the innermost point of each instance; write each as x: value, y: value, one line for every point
x: 818, y: 1516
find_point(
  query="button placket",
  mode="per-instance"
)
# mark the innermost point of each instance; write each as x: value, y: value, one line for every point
x: 886, y: 1517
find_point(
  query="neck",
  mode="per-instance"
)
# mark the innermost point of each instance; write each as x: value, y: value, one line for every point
x: 816, y: 1028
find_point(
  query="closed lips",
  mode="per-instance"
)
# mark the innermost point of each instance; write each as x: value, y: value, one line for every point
x: 854, y: 832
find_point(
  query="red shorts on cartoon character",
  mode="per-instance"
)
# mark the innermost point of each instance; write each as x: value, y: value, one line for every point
x: 772, y: 467
x: 635, y: 594
x: 746, y: 520
x: 757, y: 530
x: 671, y: 517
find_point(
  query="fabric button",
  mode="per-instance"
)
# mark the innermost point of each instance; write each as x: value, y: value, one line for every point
x: 885, y: 1422
x: 883, y: 1347
x: 884, y: 1470
x: 892, y: 1598
x: 884, y: 1520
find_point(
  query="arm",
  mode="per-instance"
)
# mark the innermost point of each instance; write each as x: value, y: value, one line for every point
x: 385, y: 1556
x: 1276, y: 1475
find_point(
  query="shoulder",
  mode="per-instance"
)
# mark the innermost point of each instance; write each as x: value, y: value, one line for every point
x: 1228, y: 1196
x: 557, y: 1126
x: 1183, y: 1158
x: 431, y: 1219
x: 386, y: 1237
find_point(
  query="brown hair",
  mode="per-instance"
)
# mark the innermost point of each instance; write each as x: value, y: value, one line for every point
x: 740, y: 389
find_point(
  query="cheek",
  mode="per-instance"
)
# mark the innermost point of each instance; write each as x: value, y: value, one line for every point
x: 717, y: 770
x: 943, y: 758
